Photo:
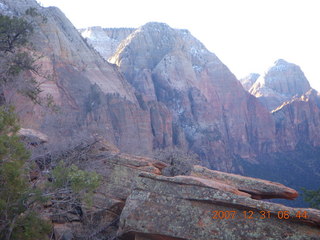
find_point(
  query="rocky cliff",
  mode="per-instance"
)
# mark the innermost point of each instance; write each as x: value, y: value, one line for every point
x: 284, y: 89
x: 161, y: 88
x: 172, y: 67
x: 169, y: 91
x: 294, y: 105
x: 91, y: 95
x: 280, y: 83
x: 298, y: 121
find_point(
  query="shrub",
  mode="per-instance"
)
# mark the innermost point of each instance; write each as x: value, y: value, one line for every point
x: 312, y: 197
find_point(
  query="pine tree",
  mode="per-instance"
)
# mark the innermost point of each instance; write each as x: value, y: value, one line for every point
x: 17, y: 219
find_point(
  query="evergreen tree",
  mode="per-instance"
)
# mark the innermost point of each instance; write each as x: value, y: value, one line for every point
x: 17, y: 219
x: 19, y: 201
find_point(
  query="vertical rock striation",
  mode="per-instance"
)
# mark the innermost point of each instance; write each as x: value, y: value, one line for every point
x: 216, y: 117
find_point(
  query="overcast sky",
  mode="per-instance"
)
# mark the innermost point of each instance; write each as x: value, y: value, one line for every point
x: 247, y: 35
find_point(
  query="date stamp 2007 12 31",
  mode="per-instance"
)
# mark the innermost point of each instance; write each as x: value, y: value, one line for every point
x: 285, y: 215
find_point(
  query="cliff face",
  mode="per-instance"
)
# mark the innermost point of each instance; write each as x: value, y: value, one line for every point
x: 160, y: 88
x: 215, y: 116
x: 163, y: 88
x: 284, y: 89
x: 298, y: 121
x: 91, y: 95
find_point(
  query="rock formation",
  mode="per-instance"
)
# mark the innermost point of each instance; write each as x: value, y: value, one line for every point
x: 249, y: 80
x: 107, y: 40
x: 135, y: 201
x: 280, y: 83
x: 171, y: 91
x: 284, y: 89
x: 172, y: 67
x: 91, y: 95
x: 165, y: 208
x: 298, y: 121
x: 163, y: 88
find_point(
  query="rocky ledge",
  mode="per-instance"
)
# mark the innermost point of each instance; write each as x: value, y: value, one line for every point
x: 136, y: 202
x: 182, y: 208
x: 189, y: 208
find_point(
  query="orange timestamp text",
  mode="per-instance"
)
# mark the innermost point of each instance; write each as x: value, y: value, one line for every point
x: 285, y: 215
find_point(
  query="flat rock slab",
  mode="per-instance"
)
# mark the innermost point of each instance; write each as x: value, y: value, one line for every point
x: 175, y: 209
x: 258, y: 188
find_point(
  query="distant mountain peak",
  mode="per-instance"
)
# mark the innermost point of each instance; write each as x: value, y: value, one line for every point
x: 155, y: 25
x: 249, y: 80
x: 282, y: 81
x: 284, y: 78
x: 281, y: 62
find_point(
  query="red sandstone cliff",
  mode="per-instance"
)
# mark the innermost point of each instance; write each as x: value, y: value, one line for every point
x: 285, y: 90
x: 163, y: 89
x: 212, y: 113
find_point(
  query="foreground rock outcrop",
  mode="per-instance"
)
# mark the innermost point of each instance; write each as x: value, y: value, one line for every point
x: 135, y: 201
x: 169, y: 208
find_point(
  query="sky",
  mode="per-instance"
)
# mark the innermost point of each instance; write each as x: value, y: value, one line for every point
x: 247, y: 35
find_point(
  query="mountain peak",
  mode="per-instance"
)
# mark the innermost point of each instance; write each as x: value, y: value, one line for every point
x: 281, y: 62
x: 249, y: 80
x: 283, y: 78
x: 282, y: 81
x: 155, y: 25
x: 286, y: 78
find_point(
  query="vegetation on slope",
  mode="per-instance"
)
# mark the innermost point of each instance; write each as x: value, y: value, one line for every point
x: 21, y: 199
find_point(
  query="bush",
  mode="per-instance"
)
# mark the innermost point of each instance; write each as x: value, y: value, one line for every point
x: 312, y: 197
x: 78, y: 183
